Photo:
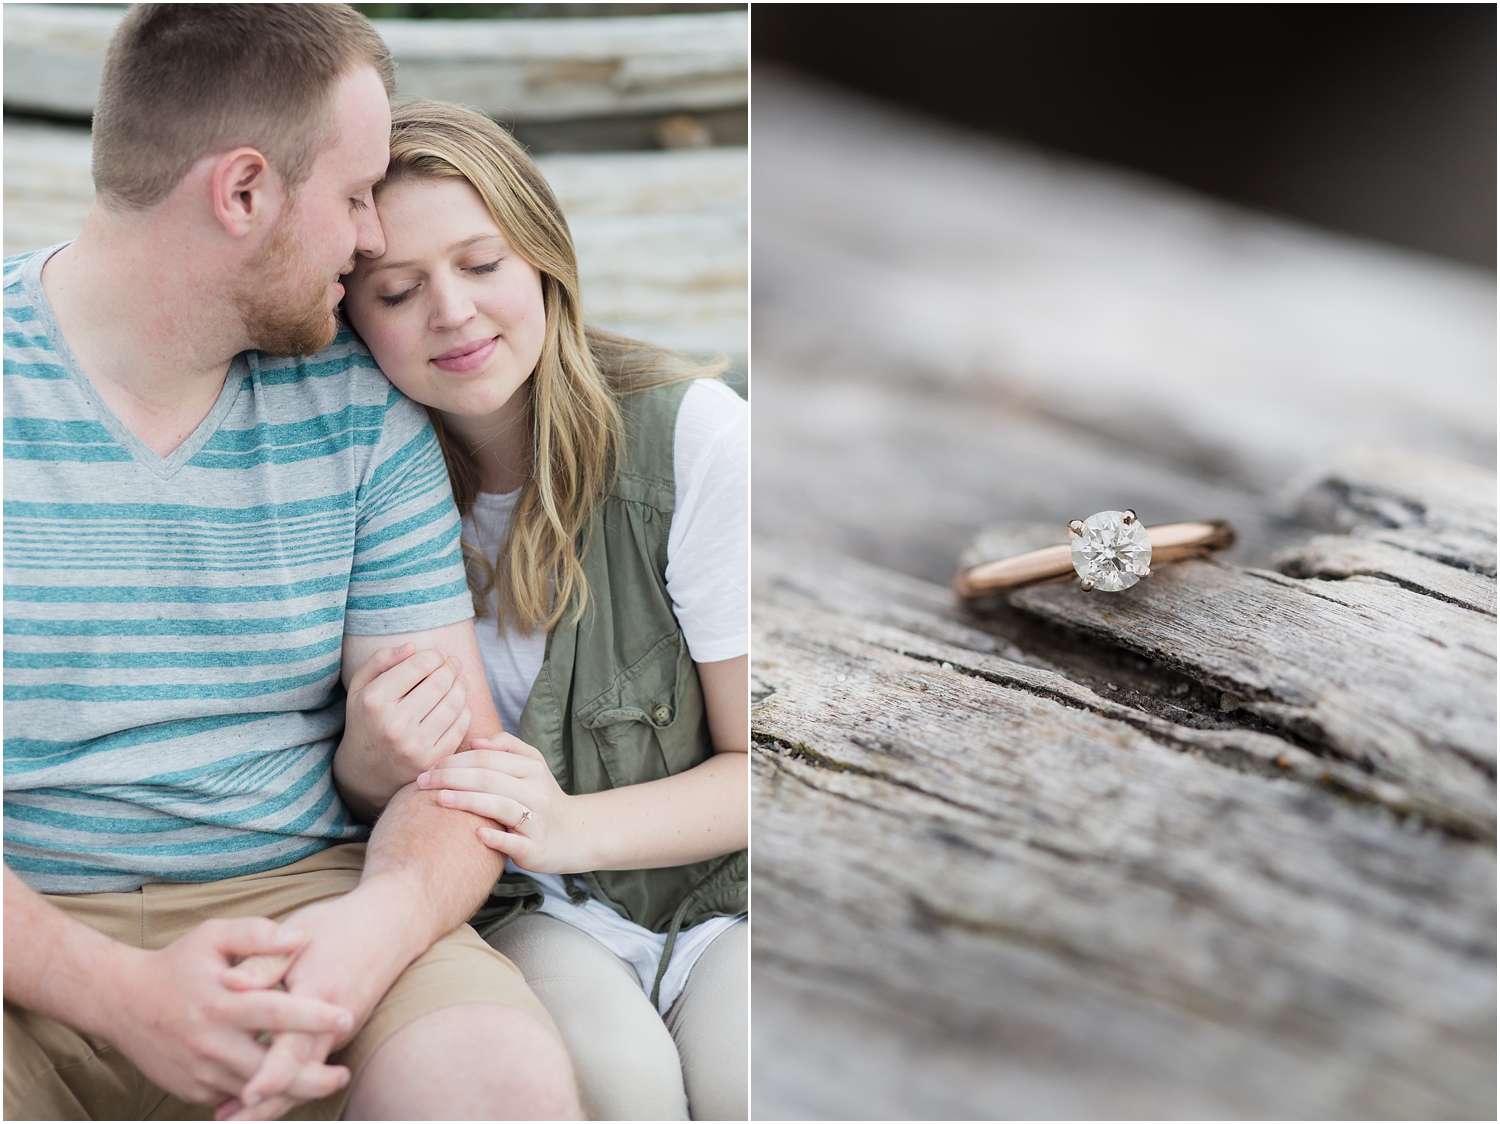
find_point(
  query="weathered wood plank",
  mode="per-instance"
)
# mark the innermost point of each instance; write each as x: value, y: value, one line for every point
x: 1433, y: 507
x: 516, y: 70
x: 663, y: 243
x: 54, y: 54
x: 1336, y: 556
x: 1226, y: 940
x: 548, y: 70
x: 48, y: 186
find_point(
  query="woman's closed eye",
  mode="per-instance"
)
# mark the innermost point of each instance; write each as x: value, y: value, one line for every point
x: 392, y: 300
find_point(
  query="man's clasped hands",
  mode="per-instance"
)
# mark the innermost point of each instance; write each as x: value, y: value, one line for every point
x: 252, y: 1008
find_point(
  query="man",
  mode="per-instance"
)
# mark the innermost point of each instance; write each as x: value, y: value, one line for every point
x: 201, y: 539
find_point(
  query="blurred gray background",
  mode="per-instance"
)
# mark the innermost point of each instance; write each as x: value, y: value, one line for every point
x: 635, y: 113
x: 1371, y: 119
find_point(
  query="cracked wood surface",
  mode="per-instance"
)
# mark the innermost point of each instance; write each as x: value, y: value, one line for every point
x: 1362, y: 670
x: 1106, y: 912
x: 1222, y: 845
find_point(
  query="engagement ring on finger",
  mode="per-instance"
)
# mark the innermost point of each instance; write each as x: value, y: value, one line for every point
x: 1109, y: 552
x: 525, y: 815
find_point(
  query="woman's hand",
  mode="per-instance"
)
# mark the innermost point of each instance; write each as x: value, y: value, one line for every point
x: 505, y: 780
x: 406, y: 710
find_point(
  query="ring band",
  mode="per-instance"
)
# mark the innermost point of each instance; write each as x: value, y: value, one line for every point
x: 1168, y: 543
x: 525, y: 815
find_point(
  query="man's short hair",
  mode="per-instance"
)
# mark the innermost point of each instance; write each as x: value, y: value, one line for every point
x: 184, y: 80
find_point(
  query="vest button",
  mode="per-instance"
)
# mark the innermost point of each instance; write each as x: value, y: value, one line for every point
x: 662, y: 715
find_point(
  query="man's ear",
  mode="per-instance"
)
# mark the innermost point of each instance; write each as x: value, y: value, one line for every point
x: 247, y: 193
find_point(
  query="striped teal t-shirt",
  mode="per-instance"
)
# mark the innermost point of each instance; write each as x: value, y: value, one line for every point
x: 173, y: 625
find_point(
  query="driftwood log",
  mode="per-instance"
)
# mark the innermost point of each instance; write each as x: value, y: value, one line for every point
x: 515, y: 70
x: 1221, y: 845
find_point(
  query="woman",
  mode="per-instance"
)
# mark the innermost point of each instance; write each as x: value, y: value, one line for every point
x: 602, y: 485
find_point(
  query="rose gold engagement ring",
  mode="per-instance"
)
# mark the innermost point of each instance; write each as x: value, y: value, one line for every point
x: 1109, y: 551
x: 525, y: 815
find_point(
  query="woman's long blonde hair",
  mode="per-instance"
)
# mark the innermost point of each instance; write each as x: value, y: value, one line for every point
x: 577, y: 430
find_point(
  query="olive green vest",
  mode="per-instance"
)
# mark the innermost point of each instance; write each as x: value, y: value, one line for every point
x: 617, y: 701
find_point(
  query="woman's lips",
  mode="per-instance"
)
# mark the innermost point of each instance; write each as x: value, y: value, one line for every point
x: 467, y: 356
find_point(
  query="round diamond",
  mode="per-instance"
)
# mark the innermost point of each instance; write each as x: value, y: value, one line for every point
x: 1111, y: 553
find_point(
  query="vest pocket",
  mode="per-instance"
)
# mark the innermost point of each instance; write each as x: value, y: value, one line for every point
x: 637, y: 722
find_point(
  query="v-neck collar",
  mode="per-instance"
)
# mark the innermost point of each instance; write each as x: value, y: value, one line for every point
x: 163, y: 467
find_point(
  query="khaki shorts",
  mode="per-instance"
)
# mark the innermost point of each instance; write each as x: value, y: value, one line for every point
x: 55, y: 1073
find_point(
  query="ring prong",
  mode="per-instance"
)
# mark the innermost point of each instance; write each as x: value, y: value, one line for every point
x: 1076, y: 528
x: 1129, y: 517
x: 1085, y: 584
x: 1146, y: 573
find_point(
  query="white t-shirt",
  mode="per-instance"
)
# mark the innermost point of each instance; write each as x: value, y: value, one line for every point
x: 708, y: 579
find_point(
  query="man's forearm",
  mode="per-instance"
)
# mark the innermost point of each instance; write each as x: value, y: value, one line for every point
x: 425, y: 873
x: 430, y: 858
x: 53, y: 964
x: 425, y: 868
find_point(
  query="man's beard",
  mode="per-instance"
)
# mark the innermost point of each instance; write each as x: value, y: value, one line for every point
x: 283, y: 303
